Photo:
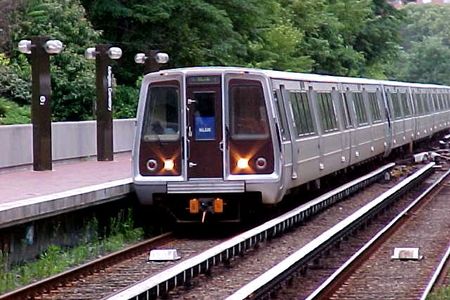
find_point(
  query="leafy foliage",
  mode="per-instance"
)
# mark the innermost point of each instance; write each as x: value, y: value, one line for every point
x: 73, y: 82
x: 12, y: 83
x: 340, y: 37
x: 425, y: 55
x: 12, y: 113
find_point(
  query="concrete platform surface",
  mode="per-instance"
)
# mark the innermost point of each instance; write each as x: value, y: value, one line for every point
x: 27, y: 195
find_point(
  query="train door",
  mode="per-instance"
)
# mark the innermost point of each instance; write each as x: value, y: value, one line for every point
x: 288, y: 140
x: 389, y: 127
x: 348, y: 133
x: 204, y: 127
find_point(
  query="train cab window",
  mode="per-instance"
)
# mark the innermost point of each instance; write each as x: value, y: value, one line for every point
x: 348, y: 123
x: 205, y: 116
x: 396, y: 105
x: 302, y: 113
x: 405, y: 105
x: 248, y: 111
x: 327, y: 112
x: 374, y: 107
x: 361, y: 115
x: 161, y: 121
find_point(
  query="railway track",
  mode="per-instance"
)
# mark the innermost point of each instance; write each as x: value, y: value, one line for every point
x: 319, y: 276
x: 414, y: 279
x: 35, y: 290
x: 105, y: 277
x: 218, y: 271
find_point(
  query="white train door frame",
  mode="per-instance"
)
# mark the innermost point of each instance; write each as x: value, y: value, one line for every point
x: 388, y: 128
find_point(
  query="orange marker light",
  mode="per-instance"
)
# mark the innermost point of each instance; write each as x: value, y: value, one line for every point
x: 194, y: 206
x: 218, y: 205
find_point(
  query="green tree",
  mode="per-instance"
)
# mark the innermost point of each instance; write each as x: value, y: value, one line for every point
x: 425, y: 55
x: 73, y: 82
x: 330, y: 30
x: 379, y: 39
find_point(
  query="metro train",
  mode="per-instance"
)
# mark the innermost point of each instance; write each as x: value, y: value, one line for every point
x: 210, y: 139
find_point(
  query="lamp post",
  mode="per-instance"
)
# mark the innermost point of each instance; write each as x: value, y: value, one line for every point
x: 103, y: 54
x: 40, y: 49
x: 151, y: 60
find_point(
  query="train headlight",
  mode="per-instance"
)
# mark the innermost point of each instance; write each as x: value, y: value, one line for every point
x: 242, y: 163
x: 261, y: 163
x: 152, y: 165
x: 169, y: 164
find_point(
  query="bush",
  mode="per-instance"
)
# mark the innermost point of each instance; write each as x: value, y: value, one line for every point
x: 12, y: 113
x: 125, y: 102
x: 15, y: 80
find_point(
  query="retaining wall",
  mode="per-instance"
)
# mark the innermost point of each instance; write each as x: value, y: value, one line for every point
x: 70, y: 140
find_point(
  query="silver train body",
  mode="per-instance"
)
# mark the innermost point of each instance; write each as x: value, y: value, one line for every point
x: 206, y: 137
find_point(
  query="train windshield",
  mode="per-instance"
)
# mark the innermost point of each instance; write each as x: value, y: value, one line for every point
x: 248, y: 111
x: 161, y: 119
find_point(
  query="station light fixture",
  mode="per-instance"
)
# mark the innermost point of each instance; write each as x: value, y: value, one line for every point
x: 151, y: 60
x: 25, y: 46
x: 140, y: 58
x: 53, y: 46
x: 113, y: 53
x: 160, y: 58
x: 90, y: 53
x: 50, y: 46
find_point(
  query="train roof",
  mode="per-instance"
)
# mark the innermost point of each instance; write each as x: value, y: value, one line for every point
x: 284, y: 75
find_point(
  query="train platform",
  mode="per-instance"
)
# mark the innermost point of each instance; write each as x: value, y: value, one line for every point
x: 27, y: 195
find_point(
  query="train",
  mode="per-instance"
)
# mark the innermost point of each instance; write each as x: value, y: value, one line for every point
x: 211, y: 140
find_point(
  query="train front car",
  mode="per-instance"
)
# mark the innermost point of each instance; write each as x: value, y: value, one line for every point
x: 206, y: 145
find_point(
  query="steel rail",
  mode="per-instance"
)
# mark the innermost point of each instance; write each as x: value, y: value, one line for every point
x: 332, y: 281
x: 268, y: 282
x: 181, y: 274
x: 29, y: 291
x: 440, y: 270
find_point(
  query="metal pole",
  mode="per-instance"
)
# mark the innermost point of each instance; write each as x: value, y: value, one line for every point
x: 150, y: 63
x: 40, y: 105
x: 104, y: 104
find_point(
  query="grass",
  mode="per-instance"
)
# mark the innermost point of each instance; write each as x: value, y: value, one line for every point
x: 57, y: 259
x: 442, y: 293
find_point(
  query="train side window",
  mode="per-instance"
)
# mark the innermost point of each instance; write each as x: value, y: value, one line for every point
x: 419, y: 103
x: 374, y: 107
x: 248, y: 111
x: 426, y: 104
x: 396, y: 105
x: 327, y: 112
x: 361, y: 115
x: 161, y: 120
x: 302, y: 113
x: 435, y: 98
x: 441, y: 101
x: 346, y: 111
x: 404, y: 104
x: 281, y: 111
